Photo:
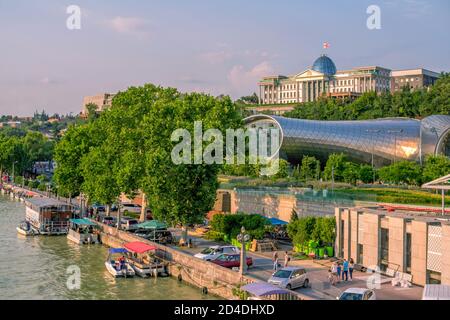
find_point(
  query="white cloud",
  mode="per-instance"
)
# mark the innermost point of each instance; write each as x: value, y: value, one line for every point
x: 245, y: 80
x: 217, y: 57
x: 128, y: 25
x: 411, y: 8
x: 226, y: 53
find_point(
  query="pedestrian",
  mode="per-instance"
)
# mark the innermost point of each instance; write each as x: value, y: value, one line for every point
x: 286, y: 259
x: 338, y: 272
x: 351, y: 265
x: 275, y: 260
x: 333, y: 273
x: 345, y: 270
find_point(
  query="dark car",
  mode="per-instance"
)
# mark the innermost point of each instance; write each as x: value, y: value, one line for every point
x: 231, y: 261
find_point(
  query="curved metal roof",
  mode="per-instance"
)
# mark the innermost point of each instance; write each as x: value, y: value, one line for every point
x: 387, y: 140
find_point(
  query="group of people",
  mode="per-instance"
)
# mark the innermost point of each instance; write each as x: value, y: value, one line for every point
x: 275, y: 260
x: 341, y: 271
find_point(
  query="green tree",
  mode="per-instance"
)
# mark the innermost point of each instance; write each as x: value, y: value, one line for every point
x: 91, y: 111
x: 402, y: 172
x: 310, y: 168
x: 69, y: 152
x: 367, y: 174
x: 435, y: 167
x: 335, y: 166
x: 182, y: 193
x: 294, y: 216
x: 302, y: 230
x: 351, y: 173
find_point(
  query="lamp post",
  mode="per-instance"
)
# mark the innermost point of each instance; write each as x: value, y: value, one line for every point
x: 243, y: 237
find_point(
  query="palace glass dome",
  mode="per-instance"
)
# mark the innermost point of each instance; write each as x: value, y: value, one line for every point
x: 324, y: 65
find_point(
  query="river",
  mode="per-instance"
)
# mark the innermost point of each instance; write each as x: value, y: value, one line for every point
x: 37, y: 268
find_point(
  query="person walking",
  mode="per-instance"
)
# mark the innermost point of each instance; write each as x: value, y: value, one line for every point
x: 351, y: 265
x: 345, y: 270
x: 275, y: 260
x: 286, y: 259
x: 338, y: 271
x: 333, y: 275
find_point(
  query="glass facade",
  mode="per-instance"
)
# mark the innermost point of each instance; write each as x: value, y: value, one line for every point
x: 386, y: 140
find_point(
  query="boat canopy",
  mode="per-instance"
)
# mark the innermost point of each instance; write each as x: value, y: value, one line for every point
x: 277, y: 222
x: 139, y: 247
x: 39, y: 204
x: 261, y: 289
x: 152, y: 224
x: 82, y: 222
x: 118, y: 250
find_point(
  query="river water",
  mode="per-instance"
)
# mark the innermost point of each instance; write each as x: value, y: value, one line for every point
x: 37, y: 268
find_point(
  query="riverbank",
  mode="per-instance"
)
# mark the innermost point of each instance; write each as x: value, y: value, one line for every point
x: 38, y: 268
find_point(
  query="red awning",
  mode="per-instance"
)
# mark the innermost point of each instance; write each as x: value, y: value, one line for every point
x: 139, y: 247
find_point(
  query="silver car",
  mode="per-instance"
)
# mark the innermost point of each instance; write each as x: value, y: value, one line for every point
x: 290, y: 278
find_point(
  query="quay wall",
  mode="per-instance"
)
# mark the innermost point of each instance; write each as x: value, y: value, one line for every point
x: 199, y: 273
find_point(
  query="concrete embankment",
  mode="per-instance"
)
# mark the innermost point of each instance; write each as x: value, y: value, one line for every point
x: 205, y: 275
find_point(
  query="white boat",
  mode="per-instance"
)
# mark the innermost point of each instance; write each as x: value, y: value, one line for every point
x: 83, y: 231
x: 117, y: 269
x: 144, y: 263
x: 25, y: 229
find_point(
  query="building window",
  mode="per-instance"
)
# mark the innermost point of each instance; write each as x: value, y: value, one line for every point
x: 360, y: 255
x: 433, y: 277
x: 408, y: 253
x: 384, y: 250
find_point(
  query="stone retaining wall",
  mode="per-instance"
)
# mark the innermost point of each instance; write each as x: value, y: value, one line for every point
x: 202, y: 274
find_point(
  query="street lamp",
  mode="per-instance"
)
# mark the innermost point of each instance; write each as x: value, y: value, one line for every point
x: 243, y: 237
x: 373, y: 146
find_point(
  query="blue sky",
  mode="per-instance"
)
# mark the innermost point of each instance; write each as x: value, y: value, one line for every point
x: 218, y: 47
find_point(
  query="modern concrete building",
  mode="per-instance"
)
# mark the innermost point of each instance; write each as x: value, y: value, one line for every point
x: 413, y: 243
x: 381, y: 141
x: 323, y: 79
x: 102, y: 101
x: 413, y: 78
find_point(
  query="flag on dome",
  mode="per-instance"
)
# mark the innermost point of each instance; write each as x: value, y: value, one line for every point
x: 326, y: 45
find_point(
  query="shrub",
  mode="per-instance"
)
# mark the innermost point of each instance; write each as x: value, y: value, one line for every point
x: 230, y: 225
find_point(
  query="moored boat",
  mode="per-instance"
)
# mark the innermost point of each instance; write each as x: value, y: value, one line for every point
x: 25, y: 229
x: 83, y: 231
x: 141, y: 257
x: 48, y: 216
x: 118, y: 267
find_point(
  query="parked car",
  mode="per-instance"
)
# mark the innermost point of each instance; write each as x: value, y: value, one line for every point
x: 357, y: 294
x: 213, y: 252
x: 231, y: 260
x: 290, y: 278
x: 128, y: 224
x: 110, y: 221
x: 130, y: 207
x: 98, y: 207
x: 155, y: 235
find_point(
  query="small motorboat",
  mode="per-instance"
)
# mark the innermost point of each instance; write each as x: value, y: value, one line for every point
x: 83, y: 231
x: 143, y: 260
x: 25, y: 229
x: 118, y: 267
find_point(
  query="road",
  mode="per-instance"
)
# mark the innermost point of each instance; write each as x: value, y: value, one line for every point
x: 320, y: 288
